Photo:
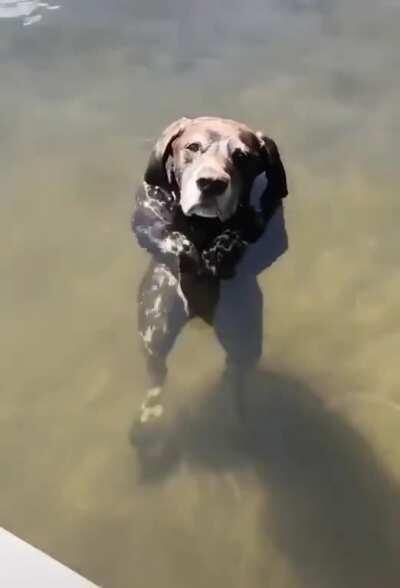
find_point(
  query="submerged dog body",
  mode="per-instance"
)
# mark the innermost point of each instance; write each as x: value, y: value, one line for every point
x: 195, y: 216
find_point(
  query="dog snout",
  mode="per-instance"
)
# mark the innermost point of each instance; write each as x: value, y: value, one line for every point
x: 212, y: 186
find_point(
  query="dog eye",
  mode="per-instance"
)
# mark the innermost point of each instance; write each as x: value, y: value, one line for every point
x: 193, y: 147
x: 240, y: 157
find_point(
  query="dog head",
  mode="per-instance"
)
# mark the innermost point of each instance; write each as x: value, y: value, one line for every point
x: 211, y: 162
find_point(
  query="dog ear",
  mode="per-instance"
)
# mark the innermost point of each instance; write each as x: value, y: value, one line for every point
x: 156, y: 172
x: 274, y: 170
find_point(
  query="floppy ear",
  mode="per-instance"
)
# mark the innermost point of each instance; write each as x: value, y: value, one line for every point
x: 275, y: 172
x: 156, y: 172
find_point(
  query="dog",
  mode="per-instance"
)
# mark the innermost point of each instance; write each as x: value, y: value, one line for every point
x: 195, y: 215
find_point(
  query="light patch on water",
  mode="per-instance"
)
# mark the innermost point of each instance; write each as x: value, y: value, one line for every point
x: 28, y: 11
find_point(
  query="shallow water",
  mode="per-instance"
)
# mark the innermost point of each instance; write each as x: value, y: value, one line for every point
x: 307, y: 494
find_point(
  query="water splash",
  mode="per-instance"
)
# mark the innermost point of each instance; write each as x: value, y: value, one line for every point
x: 29, y: 11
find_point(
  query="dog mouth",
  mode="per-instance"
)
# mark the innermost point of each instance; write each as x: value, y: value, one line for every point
x: 206, y: 210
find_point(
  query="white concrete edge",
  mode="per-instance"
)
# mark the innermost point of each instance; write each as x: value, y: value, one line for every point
x: 25, y: 566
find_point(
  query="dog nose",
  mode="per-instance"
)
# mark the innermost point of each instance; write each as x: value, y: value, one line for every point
x: 212, y: 186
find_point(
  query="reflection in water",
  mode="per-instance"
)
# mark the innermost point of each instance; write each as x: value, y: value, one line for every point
x: 301, y: 495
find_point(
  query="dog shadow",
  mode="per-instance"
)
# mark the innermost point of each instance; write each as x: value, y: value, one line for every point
x: 333, y: 511
x: 330, y: 507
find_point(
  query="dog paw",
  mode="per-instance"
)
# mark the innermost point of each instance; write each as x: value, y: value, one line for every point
x: 148, y: 422
x: 151, y: 408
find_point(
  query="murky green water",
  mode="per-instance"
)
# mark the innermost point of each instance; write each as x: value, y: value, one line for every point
x: 307, y: 495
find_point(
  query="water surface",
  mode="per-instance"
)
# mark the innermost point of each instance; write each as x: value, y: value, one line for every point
x: 307, y: 495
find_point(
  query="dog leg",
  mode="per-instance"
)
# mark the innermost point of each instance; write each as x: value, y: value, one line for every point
x: 234, y: 381
x: 239, y: 328
x: 152, y: 406
x: 161, y: 316
x: 147, y: 426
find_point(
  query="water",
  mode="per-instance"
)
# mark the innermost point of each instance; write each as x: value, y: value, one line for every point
x: 308, y: 494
